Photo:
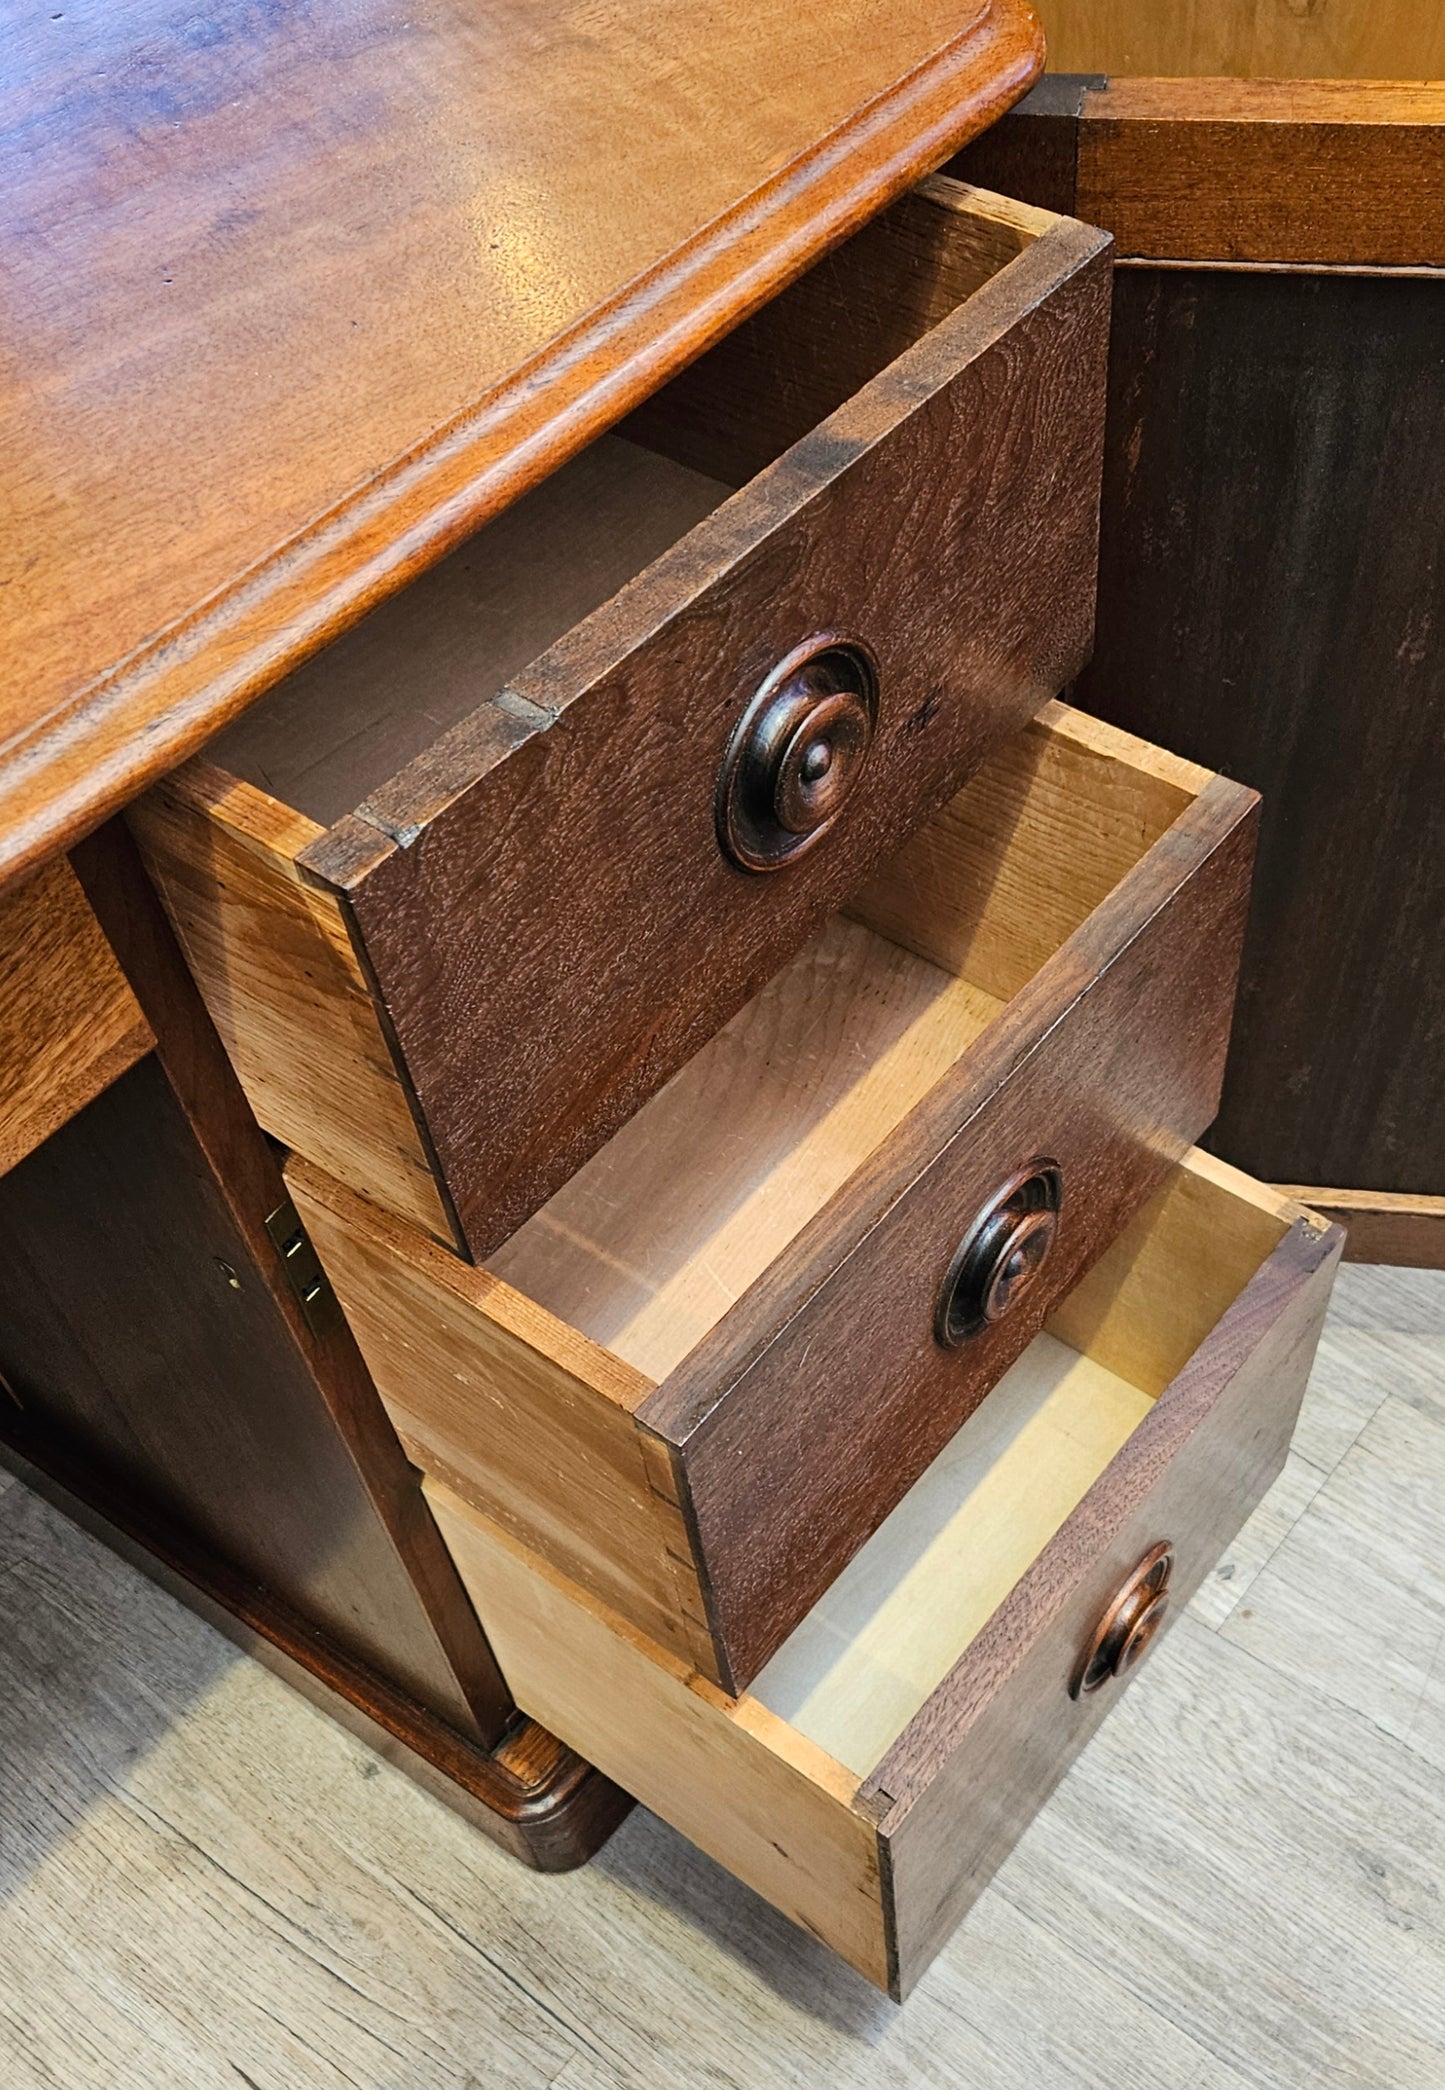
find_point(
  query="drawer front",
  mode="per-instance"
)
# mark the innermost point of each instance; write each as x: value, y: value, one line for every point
x: 543, y: 903
x: 69, y: 1024
x: 827, y: 1392
x: 883, y: 1866
x: 953, y: 1796
x: 708, y: 1369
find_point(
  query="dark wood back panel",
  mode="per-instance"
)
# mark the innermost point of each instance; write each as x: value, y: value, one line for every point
x: 1272, y: 602
x: 149, y: 1334
x: 1272, y: 597
x: 137, y: 1331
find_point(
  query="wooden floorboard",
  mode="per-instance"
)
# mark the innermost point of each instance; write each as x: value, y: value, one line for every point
x: 204, y: 1883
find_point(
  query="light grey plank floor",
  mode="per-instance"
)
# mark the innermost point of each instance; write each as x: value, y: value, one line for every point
x: 204, y: 1883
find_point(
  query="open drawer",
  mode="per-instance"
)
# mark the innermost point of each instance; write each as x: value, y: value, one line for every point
x: 467, y: 888
x: 896, y: 1746
x: 709, y: 1366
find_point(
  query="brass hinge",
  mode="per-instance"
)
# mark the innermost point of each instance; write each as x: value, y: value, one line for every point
x: 308, y: 1281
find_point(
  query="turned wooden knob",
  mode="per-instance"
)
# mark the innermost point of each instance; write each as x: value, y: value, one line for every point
x: 1129, y: 1623
x: 999, y: 1258
x: 796, y: 754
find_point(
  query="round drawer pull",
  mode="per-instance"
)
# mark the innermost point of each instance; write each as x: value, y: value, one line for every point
x: 796, y: 753
x: 1002, y: 1253
x: 1130, y: 1622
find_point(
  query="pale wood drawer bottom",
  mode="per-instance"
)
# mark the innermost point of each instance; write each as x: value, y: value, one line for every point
x: 891, y: 1752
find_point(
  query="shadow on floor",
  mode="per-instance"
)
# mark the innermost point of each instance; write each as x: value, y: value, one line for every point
x: 97, y: 1667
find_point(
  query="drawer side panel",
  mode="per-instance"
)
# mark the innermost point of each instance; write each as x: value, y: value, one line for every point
x: 540, y: 1438
x: 271, y: 955
x: 732, y: 1779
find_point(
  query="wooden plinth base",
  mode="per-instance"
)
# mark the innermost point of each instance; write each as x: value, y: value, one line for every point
x: 1381, y: 1227
x: 531, y: 1794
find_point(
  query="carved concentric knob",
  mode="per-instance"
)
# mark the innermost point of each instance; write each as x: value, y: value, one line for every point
x: 1130, y: 1623
x: 1001, y: 1254
x: 796, y: 754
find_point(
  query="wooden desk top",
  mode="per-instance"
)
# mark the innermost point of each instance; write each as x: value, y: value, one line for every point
x: 296, y: 295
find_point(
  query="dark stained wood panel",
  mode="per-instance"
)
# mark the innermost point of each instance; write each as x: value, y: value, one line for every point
x: 138, y: 1333
x: 564, y: 839
x: 297, y: 295
x: 1272, y: 602
x: 152, y: 1337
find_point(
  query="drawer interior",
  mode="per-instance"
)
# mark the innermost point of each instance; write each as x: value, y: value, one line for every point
x: 870, y: 1654
x: 789, y: 1783
x: 340, y: 726
x: 651, y: 1242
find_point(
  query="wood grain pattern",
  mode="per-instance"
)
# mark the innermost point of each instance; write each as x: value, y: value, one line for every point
x: 425, y: 659
x: 69, y: 1024
x: 520, y: 1415
x: 1287, y: 172
x: 982, y: 439
x: 347, y: 284
x: 1288, y: 423
x: 1324, y: 687
x: 971, y: 1759
x: 1001, y: 876
x: 1293, y: 171
x: 866, y: 1658
x: 657, y: 1237
x: 1358, y: 40
x: 271, y: 955
x: 824, y: 1393
x: 1408, y: 1232
x: 963, y: 1781
x: 565, y: 828
x: 760, y: 1799
x: 739, y: 1289
x: 790, y: 366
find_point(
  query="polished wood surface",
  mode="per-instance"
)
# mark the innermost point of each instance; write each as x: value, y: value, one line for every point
x: 69, y: 1023
x: 296, y: 298
x: 1367, y: 40
x: 1267, y: 171
x: 704, y: 1371
x: 875, y: 1815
